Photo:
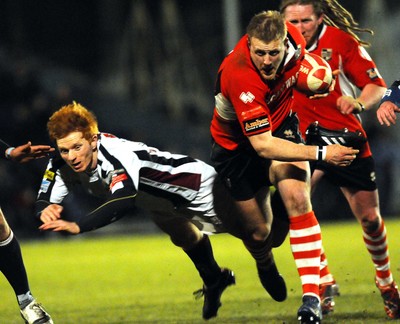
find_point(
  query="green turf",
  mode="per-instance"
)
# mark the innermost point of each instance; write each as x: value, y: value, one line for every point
x: 145, y: 279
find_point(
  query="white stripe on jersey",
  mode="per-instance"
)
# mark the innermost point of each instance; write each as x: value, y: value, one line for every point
x: 170, y: 173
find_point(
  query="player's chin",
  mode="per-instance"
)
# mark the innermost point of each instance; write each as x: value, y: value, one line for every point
x: 268, y: 76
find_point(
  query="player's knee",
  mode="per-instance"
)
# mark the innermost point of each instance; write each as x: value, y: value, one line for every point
x: 186, y: 240
x: 259, y: 233
x: 4, y: 231
x: 299, y: 202
x: 371, y: 224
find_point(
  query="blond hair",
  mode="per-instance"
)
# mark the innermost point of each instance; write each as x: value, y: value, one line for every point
x: 334, y: 15
x: 267, y: 26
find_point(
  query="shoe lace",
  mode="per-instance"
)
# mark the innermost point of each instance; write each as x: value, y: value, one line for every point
x: 37, y: 308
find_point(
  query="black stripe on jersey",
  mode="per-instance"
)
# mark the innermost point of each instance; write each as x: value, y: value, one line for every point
x: 175, y: 162
x: 182, y: 179
x: 114, y: 161
x: 56, y: 164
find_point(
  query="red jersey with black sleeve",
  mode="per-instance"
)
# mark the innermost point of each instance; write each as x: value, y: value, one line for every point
x: 245, y: 104
x: 344, y: 53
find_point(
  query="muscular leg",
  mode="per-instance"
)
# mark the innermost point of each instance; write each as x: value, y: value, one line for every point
x: 293, y: 183
x: 11, y: 263
x: 365, y: 207
x: 198, y: 247
x: 326, y: 278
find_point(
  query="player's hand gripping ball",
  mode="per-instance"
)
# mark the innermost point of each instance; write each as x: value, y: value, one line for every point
x: 315, y: 75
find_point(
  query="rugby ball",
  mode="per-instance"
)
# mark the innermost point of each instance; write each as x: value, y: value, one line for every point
x: 315, y: 75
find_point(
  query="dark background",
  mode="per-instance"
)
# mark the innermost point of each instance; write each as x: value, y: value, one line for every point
x: 147, y: 69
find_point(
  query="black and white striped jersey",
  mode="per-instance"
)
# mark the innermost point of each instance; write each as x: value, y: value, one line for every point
x: 123, y: 163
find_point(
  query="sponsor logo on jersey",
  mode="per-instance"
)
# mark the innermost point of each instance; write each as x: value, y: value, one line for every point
x: 373, y: 73
x: 256, y: 124
x: 288, y: 83
x: 116, y: 181
x: 246, y: 97
x: 326, y: 54
x: 288, y: 133
x: 49, y: 175
x: 45, y: 185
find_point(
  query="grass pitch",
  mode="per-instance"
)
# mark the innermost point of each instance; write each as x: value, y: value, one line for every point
x: 145, y: 279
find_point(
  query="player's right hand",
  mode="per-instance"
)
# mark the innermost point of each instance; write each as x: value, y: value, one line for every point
x: 51, y: 213
x: 386, y: 113
x: 340, y: 155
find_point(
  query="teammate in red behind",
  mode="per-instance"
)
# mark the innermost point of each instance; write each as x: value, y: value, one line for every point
x: 257, y: 144
x: 330, y: 31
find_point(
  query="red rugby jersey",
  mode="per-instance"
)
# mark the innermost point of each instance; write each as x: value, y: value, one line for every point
x: 245, y: 105
x: 357, y: 69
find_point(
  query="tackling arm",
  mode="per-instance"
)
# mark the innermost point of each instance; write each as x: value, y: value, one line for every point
x: 112, y: 210
x: 275, y: 148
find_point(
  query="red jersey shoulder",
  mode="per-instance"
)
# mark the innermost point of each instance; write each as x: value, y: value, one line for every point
x: 333, y: 38
x: 336, y: 46
x: 296, y: 35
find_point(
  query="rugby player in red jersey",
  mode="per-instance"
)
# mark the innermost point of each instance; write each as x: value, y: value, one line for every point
x: 256, y: 144
x: 331, y: 32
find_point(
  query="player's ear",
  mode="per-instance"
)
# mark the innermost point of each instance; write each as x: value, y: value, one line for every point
x: 93, y: 143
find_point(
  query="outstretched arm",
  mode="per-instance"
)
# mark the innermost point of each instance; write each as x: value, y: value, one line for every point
x: 275, y: 148
x: 112, y: 210
x: 27, y: 152
x: 369, y: 97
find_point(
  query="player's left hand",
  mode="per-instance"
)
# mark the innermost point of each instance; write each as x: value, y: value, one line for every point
x: 386, y: 113
x: 61, y: 225
x: 339, y: 155
x: 27, y: 152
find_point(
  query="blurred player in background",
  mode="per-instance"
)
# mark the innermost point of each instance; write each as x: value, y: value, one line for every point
x: 11, y: 261
x: 330, y: 31
x: 389, y: 105
x: 257, y: 144
x: 177, y: 189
